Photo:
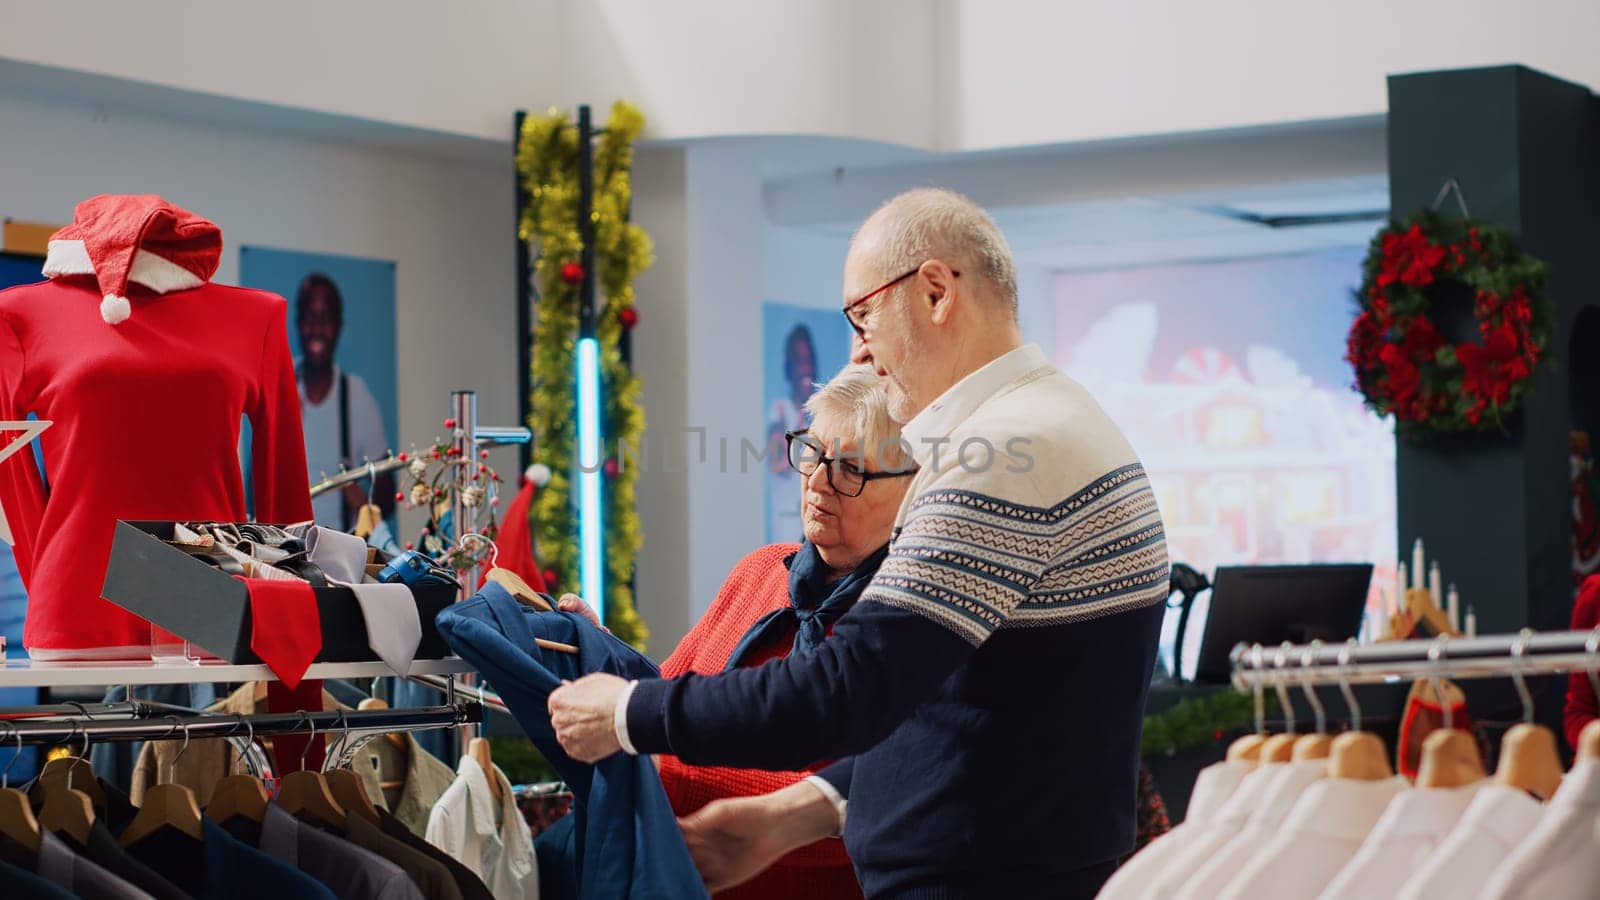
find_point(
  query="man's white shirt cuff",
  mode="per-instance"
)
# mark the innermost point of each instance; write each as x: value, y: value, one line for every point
x: 834, y: 798
x: 619, y: 720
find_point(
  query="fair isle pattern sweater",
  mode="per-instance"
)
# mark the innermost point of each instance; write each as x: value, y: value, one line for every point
x: 985, y: 695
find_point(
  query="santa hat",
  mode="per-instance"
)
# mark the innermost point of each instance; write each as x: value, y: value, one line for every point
x: 139, y: 238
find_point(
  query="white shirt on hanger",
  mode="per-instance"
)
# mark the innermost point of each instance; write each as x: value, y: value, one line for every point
x: 1223, y: 827
x: 1561, y: 857
x: 1212, y: 788
x: 1413, y: 824
x: 1325, y: 828
x: 1495, y: 822
x: 1286, y: 788
x: 463, y: 825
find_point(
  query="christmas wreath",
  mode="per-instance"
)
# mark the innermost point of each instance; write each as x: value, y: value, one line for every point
x: 1405, y: 364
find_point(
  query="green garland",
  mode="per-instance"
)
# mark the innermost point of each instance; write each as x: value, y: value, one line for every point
x: 1202, y: 720
x: 547, y: 160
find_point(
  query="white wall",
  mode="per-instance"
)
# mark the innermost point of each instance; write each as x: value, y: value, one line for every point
x: 447, y: 225
x: 946, y: 74
x: 707, y: 67
x: 1030, y: 72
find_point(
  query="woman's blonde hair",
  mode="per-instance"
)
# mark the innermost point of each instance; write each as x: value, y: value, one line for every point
x: 855, y: 400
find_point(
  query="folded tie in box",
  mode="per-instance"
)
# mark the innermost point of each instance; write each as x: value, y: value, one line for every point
x: 221, y: 613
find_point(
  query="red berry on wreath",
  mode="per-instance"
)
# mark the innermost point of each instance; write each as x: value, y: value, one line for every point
x: 550, y: 577
x: 483, y: 454
x: 402, y: 457
x: 449, y: 423
x: 611, y: 468
x: 411, y: 545
x: 572, y: 273
x: 629, y: 317
x: 494, y: 501
x: 398, y: 496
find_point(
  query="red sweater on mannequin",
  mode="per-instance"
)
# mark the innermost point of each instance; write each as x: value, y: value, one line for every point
x: 147, y: 420
x: 758, y: 585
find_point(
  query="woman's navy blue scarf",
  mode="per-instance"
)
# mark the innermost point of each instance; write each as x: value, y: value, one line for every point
x: 814, y: 604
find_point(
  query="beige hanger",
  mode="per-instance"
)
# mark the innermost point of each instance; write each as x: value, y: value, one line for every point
x: 239, y: 794
x: 168, y: 805
x: 1529, y: 760
x: 1280, y: 747
x: 368, y: 517
x: 1450, y: 757
x: 1247, y: 749
x: 16, y: 815
x: 523, y: 592
x: 59, y: 771
x: 66, y: 810
x: 478, y: 749
x: 1356, y: 755
x: 305, y: 794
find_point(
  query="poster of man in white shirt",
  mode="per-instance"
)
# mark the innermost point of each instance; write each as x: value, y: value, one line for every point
x: 342, y: 336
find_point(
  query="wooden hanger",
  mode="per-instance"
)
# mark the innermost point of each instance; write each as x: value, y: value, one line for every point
x: 478, y: 749
x: 1589, y: 741
x: 1318, y: 744
x: 1450, y: 759
x: 169, y: 805
x: 1356, y: 755
x: 1246, y: 749
x: 1279, y: 748
x: 1529, y: 760
x: 16, y: 814
x: 68, y: 811
x: 367, y: 519
x: 61, y: 770
x: 347, y: 789
x: 237, y: 794
x: 305, y: 794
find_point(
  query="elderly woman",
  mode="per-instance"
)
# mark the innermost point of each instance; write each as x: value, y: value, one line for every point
x: 786, y: 597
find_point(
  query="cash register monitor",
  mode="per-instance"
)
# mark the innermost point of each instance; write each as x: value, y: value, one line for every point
x: 1272, y: 604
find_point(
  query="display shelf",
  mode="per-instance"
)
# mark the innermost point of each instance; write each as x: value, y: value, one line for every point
x: 77, y: 673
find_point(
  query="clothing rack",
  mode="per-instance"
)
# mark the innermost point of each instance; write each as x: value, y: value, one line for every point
x: 446, y: 684
x: 484, y: 437
x: 1489, y: 656
x: 349, y: 730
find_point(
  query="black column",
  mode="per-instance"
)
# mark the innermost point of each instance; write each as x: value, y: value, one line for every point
x: 1496, y: 511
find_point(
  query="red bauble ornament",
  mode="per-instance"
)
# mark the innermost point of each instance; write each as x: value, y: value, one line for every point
x: 399, y: 496
x: 629, y: 317
x: 411, y: 545
x: 572, y: 273
x: 611, y: 468
x: 449, y: 423
x: 402, y: 457
x: 550, y: 577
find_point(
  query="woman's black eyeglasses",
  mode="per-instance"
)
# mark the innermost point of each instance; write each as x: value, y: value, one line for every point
x: 846, y: 476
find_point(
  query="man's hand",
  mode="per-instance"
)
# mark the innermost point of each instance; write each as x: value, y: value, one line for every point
x: 734, y: 840
x: 583, y: 713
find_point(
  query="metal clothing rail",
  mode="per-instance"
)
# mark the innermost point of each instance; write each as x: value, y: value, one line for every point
x: 357, y: 724
x: 485, y: 437
x: 446, y: 684
x: 1489, y: 656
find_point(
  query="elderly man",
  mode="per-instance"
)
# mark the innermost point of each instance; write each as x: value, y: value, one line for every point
x: 985, y: 694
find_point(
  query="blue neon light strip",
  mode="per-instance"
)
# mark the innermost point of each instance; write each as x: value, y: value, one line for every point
x: 591, y: 530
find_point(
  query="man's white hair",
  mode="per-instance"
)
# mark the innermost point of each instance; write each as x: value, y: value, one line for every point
x: 934, y: 223
x: 854, y: 401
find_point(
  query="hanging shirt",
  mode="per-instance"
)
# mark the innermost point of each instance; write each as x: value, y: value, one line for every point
x: 1561, y: 857
x: 60, y: 866
x: 1325, y: 828
x: 631, y: 846
x: 321, y: 421
x: 1496, y: 821
x: 352, y: 873
x: 147, y: 420
x: 1212, y: 787
x: 487, y: 834
x: 1164, y: 875
x: 1412, y: 826
x: 1286, y: 787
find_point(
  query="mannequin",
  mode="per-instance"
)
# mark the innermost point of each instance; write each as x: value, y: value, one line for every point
x: 146, y: 368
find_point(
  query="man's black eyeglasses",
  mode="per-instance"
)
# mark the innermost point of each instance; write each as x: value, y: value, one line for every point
x: 846, y: 476
x: 858, y: 320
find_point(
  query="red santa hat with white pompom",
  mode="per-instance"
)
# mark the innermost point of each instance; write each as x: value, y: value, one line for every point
x: 134, y: 238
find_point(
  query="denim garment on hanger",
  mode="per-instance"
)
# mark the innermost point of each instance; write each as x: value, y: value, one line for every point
x: 624, y: 838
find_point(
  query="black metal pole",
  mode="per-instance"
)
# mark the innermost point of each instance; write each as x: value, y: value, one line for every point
x: 524, y: 300
x: 586, y: 221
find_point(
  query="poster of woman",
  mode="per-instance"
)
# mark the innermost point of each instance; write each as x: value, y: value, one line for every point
x: 802, y: 346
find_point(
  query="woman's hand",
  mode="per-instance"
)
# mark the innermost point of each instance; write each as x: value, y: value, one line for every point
x: 734, y: 840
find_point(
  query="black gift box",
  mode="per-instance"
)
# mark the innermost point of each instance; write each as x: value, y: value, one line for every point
x: 211, y: 609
